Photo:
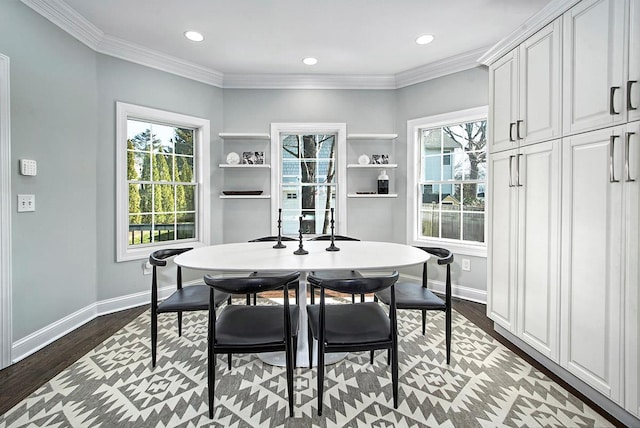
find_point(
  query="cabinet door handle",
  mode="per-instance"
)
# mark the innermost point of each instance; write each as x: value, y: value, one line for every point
x: 511, y: 170
x: 511, y: 132
x: 612, y: 145
x: 518, y: 184
x: 629, y: 104
x: 518, y: 122
x: 626, y: 157
x: 612, y: 92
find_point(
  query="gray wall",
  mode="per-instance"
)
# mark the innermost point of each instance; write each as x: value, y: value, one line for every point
x: 131, y: 83
x: 364, y: 111
x: 456, y: 91
x: 53, y: 99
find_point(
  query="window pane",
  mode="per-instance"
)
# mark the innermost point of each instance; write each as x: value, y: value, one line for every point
x: 162, y: 137
x: 432, y: 168
x: 185, y: 198
x: 163, y: 228
x: 141, y: 167
x: 139, y: 233
x: 163, y: 199
x: 451, y: 200
x: 184, y: 169
x: 473, y: 227
x: 430, y: 196
x: 186, y: 226
x: 461, y: 165
x: 451, y: 225
x: 473, y: 197
x: 135, y: 202
x: 430, y: 221
x: 138, y: 135
x: 183, y: 141
x: 431, y: 141
x: 162, y: 168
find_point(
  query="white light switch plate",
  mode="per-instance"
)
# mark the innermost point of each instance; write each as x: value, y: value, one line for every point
x: 26, y: 203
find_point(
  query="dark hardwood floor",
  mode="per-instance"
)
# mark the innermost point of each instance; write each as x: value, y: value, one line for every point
x: 21, y: 379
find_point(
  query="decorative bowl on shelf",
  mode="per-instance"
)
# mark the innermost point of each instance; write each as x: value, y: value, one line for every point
x: 233, y: 158
x: 363, y: 160
x: 241, y: 192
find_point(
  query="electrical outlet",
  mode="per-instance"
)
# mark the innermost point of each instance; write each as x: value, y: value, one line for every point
x: 466, y: 265
x: 146, y: 268
x: 26, y: 203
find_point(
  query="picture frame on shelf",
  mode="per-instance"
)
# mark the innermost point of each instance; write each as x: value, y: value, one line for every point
x: 253, y: 158
x: 380, y: 159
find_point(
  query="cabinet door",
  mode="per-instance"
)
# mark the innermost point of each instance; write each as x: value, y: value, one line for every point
x: 632, y: 273
x: 539, y: 113
x: 539, y: 247
x: 633, y: 89
x: 503, y: 91
x: 503, y: 228
x: 593, y: 65
x: 592, y: 260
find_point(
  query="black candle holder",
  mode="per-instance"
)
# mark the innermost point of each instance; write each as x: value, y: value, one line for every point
x: 279, y: 244
x: 300, y: 251
x: 332, y: 247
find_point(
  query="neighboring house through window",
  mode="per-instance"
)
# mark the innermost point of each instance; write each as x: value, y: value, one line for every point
x: 446, y: 181
x: 162, y: 172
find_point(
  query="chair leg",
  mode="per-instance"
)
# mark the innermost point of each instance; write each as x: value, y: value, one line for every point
x: 180, y: 323
x: 229, y: 300
x: 424, y: 320
x: 371, y: 355
x: 154, y: 336
x: 295, y: 352
x: 375, y: 298
x: 353, y: 298
x: 394, y: 374
x: 229, y: 361
x: 362, y: 298
x: 255, y: 298
x: 388, y: 356
x: 448, y: 332
x: 289, y: 368
x: 310, y: 340
x: 320, y: 377
x: 295, y: 291
x: 248, y: 299
x: 211, y: 367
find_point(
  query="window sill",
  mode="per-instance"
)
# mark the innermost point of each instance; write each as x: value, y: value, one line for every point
x: 455, y: 247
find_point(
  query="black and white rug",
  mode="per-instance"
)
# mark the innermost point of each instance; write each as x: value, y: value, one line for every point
x: 486, y: 385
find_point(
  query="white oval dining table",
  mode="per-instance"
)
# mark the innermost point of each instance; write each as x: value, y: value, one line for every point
x: 261, y: 256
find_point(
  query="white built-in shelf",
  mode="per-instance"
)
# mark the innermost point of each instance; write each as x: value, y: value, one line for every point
x: 245, y: 135
x: 245, y: 196
x: 371, y: 136
x: 371, y: 165
x: 372, y: 195
x: 244, y: 165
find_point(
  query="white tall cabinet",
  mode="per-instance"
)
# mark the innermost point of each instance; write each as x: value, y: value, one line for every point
x: 564, y: 197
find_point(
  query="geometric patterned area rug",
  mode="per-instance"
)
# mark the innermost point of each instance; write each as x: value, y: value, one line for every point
x: 486, y: 385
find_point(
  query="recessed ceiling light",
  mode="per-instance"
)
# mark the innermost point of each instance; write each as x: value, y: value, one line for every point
x: 310, y: 61
x: 424, y: 39
x: 194, y: 36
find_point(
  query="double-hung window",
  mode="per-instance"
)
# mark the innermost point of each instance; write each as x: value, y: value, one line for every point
x: 446, y: 180
x: 309, y: 176
x: 162, y: 174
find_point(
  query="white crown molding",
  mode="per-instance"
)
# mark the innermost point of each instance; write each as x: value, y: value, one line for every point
x: 308, y: 81
x: 454, y: 64
x: 65, y: 17
x: 122, y: 49
x: 551, y: 11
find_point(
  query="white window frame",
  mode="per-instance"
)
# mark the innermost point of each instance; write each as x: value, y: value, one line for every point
x: 202, y: 139
x: 340, y: 130
x: 414, y: 160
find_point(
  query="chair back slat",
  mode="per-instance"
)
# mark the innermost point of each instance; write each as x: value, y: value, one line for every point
x: 335, y: 238
x: 445, y: 257
x: 272, y: 239
x: 250, y: 284
x: 158, y: 258
x: 363, y: 285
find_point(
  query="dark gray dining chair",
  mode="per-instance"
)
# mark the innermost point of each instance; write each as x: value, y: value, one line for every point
x: 353, y: 327
x: 410, y: 295
x: 250, y: 329
x: 184, y: 299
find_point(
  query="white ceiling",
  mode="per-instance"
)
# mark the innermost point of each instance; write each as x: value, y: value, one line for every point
x: 349, y: 37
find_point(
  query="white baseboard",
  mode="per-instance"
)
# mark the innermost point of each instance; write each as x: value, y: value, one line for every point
x: 39, y: 339
x: 460, y: 291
